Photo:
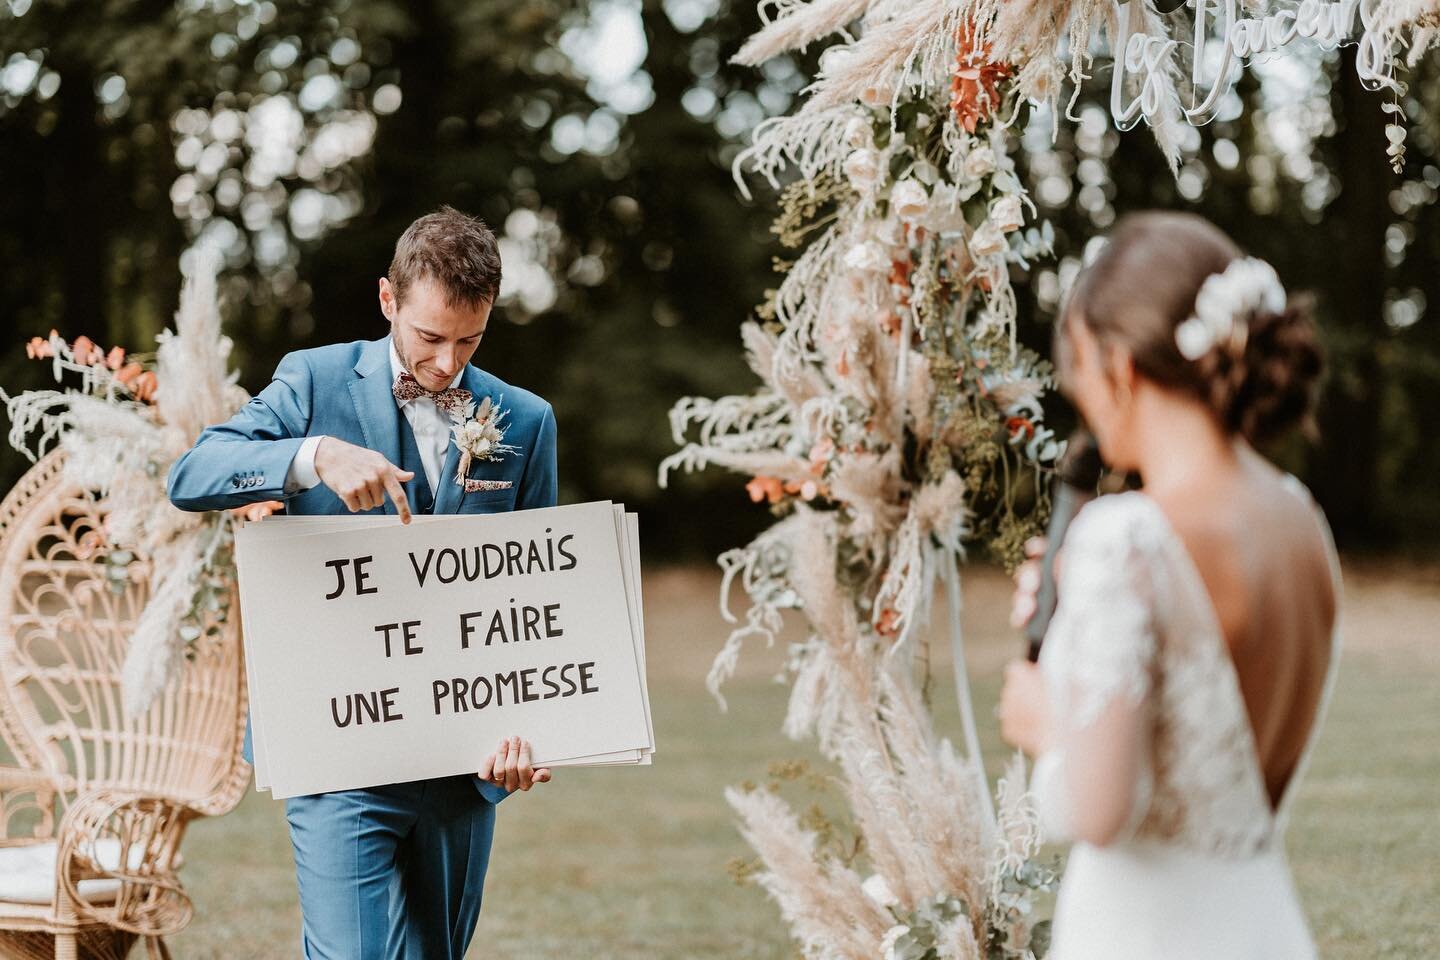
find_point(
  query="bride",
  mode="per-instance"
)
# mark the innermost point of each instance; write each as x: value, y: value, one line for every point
x: 1184, y: 675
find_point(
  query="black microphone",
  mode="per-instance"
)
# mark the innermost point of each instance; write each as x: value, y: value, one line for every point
x: 1077, y: 475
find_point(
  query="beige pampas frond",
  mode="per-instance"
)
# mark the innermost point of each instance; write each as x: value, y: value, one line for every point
x: 1032, y: 27
x: 157, y: 648
x: 870, y: 484
x: 942, y: 791
x: 810, y: 707
x: 812, y: 575
x: 903, y: 589
x: 766, y: 354
x: 940, y: 510
x: 915, y: 47
x: 759, y: 349
x: 821, y: 898
x: 196, y: 386
x: 878, y: 803
x: 796, y: 29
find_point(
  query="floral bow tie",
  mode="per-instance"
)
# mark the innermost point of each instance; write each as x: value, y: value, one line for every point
x: 451, y: 400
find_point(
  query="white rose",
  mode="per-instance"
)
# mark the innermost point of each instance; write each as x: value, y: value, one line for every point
x: 863, y: 169
x: 878, y: 890
x: 1007, y: 213
x: 945, y: 215
x: 858, y: 132
x: 979, y: 162
x: 909, y: 201
x: 987, y: 241
x: 868, y: 256
x: 833, y: 60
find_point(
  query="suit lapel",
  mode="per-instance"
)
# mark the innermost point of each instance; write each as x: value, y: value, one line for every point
x: 451, y: 495
x: 375, y: 404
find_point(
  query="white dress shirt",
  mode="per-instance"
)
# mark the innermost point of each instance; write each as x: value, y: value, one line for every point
x: 429, y: 423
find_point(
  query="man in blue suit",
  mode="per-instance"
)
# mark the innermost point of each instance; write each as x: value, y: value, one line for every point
x: 395, y: 871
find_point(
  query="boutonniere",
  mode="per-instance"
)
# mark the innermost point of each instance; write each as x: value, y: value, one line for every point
x: 479, y: 434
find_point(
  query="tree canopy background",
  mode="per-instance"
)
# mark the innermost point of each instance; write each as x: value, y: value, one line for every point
x: 299, y: 139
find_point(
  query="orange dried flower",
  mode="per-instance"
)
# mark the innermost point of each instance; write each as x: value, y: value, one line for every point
x: 144, y: 386
x: 886, y: 626
x: 765, y: 488
x: 85, y: 351
x: 900, y: 278
x: 115, y: 357
x: 975, y: 86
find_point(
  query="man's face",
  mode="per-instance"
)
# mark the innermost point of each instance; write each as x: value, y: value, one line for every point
x: 434, y: 340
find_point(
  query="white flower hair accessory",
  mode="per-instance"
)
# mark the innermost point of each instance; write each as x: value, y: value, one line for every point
x: 1225, y: 302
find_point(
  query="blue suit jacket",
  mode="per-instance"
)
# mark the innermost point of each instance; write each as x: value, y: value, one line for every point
x: 343, y: 390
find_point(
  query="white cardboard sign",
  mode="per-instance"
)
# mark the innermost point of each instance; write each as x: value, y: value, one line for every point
x: 382, y: 653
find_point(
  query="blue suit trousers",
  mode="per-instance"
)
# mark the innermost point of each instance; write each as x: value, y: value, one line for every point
x: 393, y: 872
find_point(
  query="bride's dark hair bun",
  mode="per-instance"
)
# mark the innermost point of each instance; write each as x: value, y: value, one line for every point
x: 1272, y: 389
x: 1143, y: 285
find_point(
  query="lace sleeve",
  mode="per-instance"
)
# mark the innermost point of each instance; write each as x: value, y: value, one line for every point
x: 1098, y: 658
x: 1101, y: 644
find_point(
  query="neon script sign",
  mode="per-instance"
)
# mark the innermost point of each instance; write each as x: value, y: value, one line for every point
x: 1223, y: 41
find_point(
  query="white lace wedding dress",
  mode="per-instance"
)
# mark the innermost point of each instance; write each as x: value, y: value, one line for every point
x: 1199, y: 869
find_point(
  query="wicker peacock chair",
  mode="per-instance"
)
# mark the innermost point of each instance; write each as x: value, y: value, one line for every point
x: 93, y: 802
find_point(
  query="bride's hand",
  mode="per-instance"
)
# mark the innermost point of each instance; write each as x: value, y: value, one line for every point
x: 509, y: 766
x: 1024, y: 709
x: 1025, y: 600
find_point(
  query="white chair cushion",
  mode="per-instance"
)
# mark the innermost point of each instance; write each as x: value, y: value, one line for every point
x: 27, y: 874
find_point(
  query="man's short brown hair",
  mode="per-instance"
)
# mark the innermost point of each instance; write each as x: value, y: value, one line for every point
x: 453, y: 249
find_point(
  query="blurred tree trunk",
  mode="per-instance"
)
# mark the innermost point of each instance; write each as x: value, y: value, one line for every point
x: 1345, y: 472
x: 76, y: 187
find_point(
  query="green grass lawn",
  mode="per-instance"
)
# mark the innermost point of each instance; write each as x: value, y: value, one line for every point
x: 631, y: 863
